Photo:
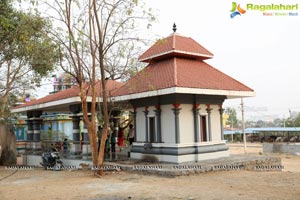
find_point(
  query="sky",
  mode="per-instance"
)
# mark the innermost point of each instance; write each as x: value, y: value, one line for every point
x: 263, y: 52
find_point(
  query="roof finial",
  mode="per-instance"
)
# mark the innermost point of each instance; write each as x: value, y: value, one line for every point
x: 174, y: 27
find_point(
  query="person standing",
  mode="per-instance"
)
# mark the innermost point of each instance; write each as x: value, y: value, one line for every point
x: 121, y: 137
x: 65, y: 146
x: 107, y: 142
x: 99, y: 136
x: 121, y: 132
x: 131, y: 134
x: 113, y: 146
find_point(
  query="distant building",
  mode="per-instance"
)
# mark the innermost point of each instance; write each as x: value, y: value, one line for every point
x: 62, y: 82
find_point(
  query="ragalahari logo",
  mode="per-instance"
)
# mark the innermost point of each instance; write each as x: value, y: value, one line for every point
x: 236, y: 10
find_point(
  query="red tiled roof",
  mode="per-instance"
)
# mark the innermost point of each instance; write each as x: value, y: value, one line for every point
x: 180, y: 72
x: 178, y: 63
x: 71, y: 92
x: 175, y: 45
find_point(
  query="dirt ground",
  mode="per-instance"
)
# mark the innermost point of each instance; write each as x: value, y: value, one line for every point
x: 236, y: 184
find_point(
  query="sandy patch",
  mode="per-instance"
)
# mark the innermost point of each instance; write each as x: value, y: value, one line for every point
x: 41, y: 184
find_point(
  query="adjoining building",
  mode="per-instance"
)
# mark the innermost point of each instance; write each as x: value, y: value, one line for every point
x: 57, y: 116
x: 176, y: 102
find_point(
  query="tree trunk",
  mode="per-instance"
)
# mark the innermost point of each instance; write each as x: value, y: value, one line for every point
x: 101, y: 151
x: 3, y: 103
x: 91, y: 127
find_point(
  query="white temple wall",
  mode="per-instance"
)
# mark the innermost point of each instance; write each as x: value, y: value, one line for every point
x: 186, y: 123
x: 215, y: 123
x: 140, y: 125
x: 167, y: 124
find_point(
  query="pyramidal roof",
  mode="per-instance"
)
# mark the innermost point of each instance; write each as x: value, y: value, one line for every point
x: 175, y: 45
x: 176, y: 66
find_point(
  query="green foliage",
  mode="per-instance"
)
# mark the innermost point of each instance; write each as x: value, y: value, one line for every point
x: 293, y: 121
x: 232, y: 119
x: 26, y: 41
x: 297, y: 120
x: 27, y: 52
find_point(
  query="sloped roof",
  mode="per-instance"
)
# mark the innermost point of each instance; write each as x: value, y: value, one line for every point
x: 180, y: 72
x: 71, y: 92
x: 175, y: 66
x: 175, y: 45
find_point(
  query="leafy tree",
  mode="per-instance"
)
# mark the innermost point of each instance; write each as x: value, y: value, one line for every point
x: 260, y: 123
x: 96, y: 40
x: 278, y: 122
x: 297, y: 120
x: 293, y: 121
x: 232, y: 117
x: 27, y: 53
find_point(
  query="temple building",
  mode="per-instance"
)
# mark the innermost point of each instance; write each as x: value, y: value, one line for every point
x: 176, y: 101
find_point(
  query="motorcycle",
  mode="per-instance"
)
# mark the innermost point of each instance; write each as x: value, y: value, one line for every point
x: 51, y: 160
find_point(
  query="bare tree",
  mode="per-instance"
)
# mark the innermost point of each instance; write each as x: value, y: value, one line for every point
x: 91, y: 34
x: 122, y: 63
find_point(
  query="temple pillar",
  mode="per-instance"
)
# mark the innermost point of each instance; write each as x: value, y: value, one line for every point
x: 29, y: 140
x: 196, y: 122
x: 209, y: 121
x: 158, y: 119
x: 76, y: 146
x: 86, y: 146
x: 146, y: 124
x: 134, y: 123
x: 36, y: 145
x: 221, y: 110
x: 114, y: 135
x: 176, y: 111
